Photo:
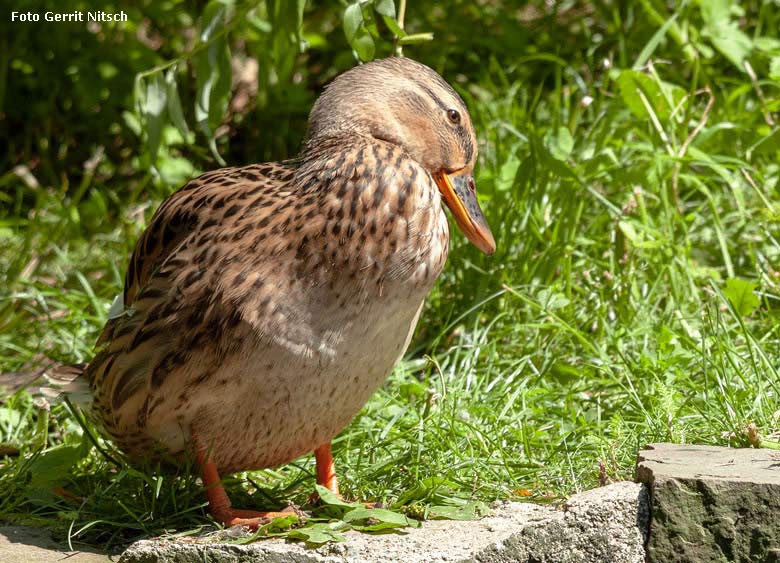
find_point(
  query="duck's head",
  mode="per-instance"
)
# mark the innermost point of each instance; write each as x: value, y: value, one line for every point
x: 405, y: 103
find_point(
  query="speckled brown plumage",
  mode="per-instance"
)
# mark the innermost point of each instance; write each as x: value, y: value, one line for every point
x: 265, y: 304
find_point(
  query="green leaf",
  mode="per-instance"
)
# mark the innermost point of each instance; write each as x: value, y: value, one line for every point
x: 353, y: 19
x: 666, y: 338
x: 385, y: 8
x: 731, y: 42
x: 774, y: 68
x: 393, y: 26
x: 133, y: 121
x: 174, y: 105
x: 53, y: 467
x: 769, y: 45
x: 10, y: 417
x: 375, y: 519
x: 472, y: 510
x: 153, y: 112
x: 357, y: 34
x: 715, y: 12
x: 364, y: 47
x: 175, y: 170
x: 661, y: 96
x: 628, y: 230
x: 286, y: 26
x: 507, y: 173
x: 279, y: 526
x: 412, y: 390
x: 212, y: 19
x: 369, y: 22
x: 741, y: 295
x: 429, y: 489
x: 723, y: 33
x: 330, y: 499
x: 319, y: 533
x: 300, y: 6
x: 640, y: 235
x: 561, y: 144
x: 552, y: 300
x: 213, y: 74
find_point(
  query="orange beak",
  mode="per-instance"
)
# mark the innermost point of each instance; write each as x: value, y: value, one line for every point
x: 459, y: 194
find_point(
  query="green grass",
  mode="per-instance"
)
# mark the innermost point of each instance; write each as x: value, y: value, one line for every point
x: 633, y: 297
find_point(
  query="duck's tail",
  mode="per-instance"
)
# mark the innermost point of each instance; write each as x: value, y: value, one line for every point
x: 67, y: 380
x: 51, y: 383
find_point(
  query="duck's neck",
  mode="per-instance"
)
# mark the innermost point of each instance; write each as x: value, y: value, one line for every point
x: 379, y: 212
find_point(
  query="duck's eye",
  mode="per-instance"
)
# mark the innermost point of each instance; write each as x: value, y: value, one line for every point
x: 453, y: 116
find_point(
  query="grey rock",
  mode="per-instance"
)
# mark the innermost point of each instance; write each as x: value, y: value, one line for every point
x: 605, y: 525
x: 22, y: 544
x: 711, y: 503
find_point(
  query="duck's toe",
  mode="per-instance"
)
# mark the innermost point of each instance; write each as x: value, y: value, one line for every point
x: 252, y: 519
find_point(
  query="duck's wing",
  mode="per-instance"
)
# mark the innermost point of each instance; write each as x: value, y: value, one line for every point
x: 204, y: 202
x: 191, y: 210
x: 174, y: 299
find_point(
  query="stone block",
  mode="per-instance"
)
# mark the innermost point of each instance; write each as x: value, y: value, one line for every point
x: 711, y: 503
x: 606, y: 525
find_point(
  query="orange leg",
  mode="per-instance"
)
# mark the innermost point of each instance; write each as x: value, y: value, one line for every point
x: 219, y: 503
x: 326, y: 474
x: 326, y: 468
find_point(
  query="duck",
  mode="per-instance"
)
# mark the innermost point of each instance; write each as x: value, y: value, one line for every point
x: 264, y: 304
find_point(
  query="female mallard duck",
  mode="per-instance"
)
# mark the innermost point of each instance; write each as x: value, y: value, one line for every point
x: 265, y: 304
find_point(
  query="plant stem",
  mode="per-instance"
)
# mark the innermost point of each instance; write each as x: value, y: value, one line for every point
x: 399, y: 49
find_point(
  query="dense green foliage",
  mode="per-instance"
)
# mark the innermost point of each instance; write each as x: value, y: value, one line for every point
x: 629, y: 167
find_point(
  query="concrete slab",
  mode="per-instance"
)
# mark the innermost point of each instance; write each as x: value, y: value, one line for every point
x: 711, y: 503
x: 22, y: 544
x: 606, y: 525
x: 707, y: 503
